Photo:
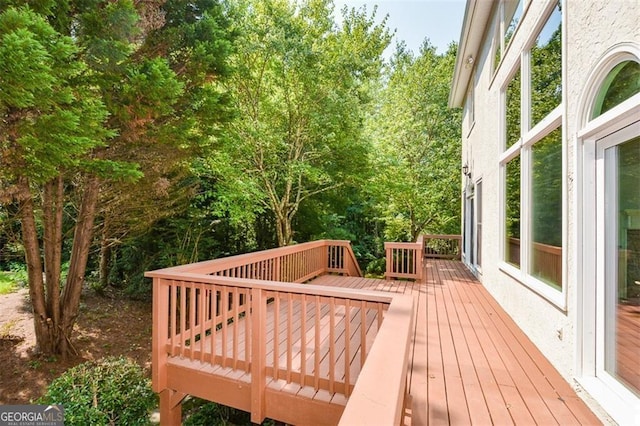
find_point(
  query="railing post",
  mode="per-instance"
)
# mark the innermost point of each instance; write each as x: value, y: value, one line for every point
x: 389, y: 259
x: 420, y: 254
x: 160, y: 334
x: 258, y: 354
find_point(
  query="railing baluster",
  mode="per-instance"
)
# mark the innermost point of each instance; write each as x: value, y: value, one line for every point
x: 363, y: 332
x: 202, y: 316
x: 332, y: 345
x: 316, y: 349
x: 247, y: 331
x: 347, y: 346
x: 236, y: 325
x: 173, y: 315
x: 224, y: 301
x: 192, y: 320
x: 183, y: 319
x: 303, y: 338
x: 289, y: 336
x: 276, y: 335
x: 214, y: 295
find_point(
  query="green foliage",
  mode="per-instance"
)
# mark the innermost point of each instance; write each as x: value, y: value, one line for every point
x: 52, y: 118
x: 300, y: 88
x: 110, y: 391
x: 199, y: 412
x: 417, y: 147
x: 7, y: 283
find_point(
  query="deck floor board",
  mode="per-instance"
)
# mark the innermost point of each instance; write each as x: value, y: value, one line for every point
x: 471, y: 364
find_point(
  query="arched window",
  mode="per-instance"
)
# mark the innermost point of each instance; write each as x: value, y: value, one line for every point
x: 620, y: 84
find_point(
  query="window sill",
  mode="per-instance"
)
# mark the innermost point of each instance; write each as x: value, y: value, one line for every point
x: 555, y: 297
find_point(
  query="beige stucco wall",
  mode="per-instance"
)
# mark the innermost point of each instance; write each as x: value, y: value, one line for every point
x: 590, y: 29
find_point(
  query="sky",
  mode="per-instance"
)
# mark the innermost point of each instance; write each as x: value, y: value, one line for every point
x: 415, y: 20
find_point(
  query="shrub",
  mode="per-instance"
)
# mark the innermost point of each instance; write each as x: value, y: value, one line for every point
x: 376, y: 268
x: 112, y: 391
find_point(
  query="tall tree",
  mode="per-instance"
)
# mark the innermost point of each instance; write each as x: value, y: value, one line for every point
x: 417, y: 143
x: 300, y: 87
x: 143, y: 97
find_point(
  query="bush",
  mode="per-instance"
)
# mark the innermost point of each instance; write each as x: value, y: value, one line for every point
x: 113, y: 391
x: 199, y: 412
x: 376, y: 268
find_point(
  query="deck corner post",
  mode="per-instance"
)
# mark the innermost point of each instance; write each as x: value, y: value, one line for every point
x: 159, y: 335
x: 258, y: 354
x: 170, y: 407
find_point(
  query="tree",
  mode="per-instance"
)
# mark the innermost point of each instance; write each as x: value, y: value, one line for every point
x: 300, y: 87
x: 417, y: 146
x: 121, y: 100
x: 51, y: 119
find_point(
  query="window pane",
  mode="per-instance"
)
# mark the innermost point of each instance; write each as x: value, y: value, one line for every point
x: 546, y: 68
x: 546, y: 220
x: 513, y: 13
x: 497, y: 49
x: 513, y: 110
x: 622, y: 83
x: 512, y: 214
x: 623, y: 291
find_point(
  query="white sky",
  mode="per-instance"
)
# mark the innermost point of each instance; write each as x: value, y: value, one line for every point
x: 415, y: 20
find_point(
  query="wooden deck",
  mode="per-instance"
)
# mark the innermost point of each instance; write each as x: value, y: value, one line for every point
x: 297, y: 335
x: 471, y: 364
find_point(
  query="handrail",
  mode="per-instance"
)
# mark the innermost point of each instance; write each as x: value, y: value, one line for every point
x: 295, y: 263
x: 379, y: 393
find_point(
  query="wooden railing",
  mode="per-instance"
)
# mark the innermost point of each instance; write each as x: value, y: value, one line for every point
x: 404, y: 260
x: 443, y: 246
x: 297, y: 263
x: 217, y: 314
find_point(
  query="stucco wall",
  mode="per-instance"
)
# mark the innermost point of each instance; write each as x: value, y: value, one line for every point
x: 590, y: 29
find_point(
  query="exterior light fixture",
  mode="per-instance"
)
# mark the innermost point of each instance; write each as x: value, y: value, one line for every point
x: 465, y: 170
x: 469, y: 61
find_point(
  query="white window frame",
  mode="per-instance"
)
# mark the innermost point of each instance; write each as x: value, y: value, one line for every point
x: 616, y: 401
x: 523, y: 147
x: 500, y: 33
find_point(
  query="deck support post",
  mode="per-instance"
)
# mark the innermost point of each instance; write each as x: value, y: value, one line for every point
x: 171, y: 407
x: 258, y: 354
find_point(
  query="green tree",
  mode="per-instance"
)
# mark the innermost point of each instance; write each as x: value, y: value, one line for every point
x: 51, y: 120
x: 300, y: 88
x: 417, y: 146
x: 127, y: 95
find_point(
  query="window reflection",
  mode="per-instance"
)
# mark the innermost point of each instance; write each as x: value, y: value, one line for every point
x: 546, y: 68
x: 621, y: 83
x: 623, y: 320
x: 513, y: 110
x: 512, y: 214
x: 546, y: 219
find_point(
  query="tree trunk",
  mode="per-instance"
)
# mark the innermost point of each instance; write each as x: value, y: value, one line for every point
x: 82, y: 238
x: 52, y: 207
x: 283, y: 230
x: 43, y: 325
